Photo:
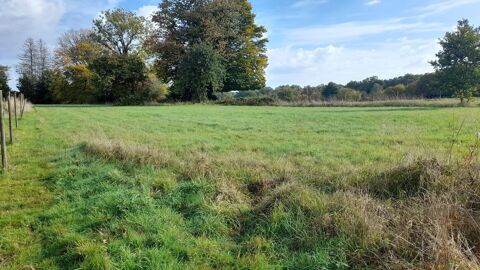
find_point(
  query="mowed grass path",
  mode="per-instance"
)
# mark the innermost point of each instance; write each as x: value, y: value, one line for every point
x: 329, y: 140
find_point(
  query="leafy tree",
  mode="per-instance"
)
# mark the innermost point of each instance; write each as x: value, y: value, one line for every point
x: 368, y: 85
x: 4, y: 79
x: 77, y: 48
x: 331, y: 90
x: 27, y: 85
x: 119, y: 78
x: 348, y: 94
x: 200, y: 74
x: 396, y: 91
x: 428, y: 87
x: 79, y: 88
x: 458, y: 61
x: 120, y: 31
x: 43, y: 88
x: 228, y: 26
x: 288, y: 92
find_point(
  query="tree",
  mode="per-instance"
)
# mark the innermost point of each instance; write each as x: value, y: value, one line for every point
x: 330, y: 90
x: 43, y: 61
x: 119, y: 78
x: 200, y: 74
x: 120, y: 31
x: 228, y: 26
x: 4, y: 79
x: 396, y: 91
x: 76, y: 48
x: 428, y: 87
x: 246, y: 53
x: 28, y: 60
x: 288, y: 92
x: 349, y: 94
x: 34, y: 66
x: 79, y: 88
x: 458, y: 61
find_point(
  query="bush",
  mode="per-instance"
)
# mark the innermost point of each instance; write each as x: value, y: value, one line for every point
x: 252, y: 101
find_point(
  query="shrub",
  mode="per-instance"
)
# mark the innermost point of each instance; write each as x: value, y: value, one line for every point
x: 253, y: 101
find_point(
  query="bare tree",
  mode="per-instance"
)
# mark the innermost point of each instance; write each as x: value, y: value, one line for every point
x: 43, y: 61
x: 28, y: 59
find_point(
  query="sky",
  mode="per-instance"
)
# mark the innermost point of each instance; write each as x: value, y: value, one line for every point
x: 312, y: 42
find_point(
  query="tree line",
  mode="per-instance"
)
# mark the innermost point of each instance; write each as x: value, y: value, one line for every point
x: 457, y: 74
x: 198, y: 50
x: 187, y: 51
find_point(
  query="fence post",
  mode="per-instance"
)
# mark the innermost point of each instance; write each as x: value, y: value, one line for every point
x: 22, y: 105
x: 22, y: 109
x: 15, y: 108
x: 10, y: 128
x: 2, y: 134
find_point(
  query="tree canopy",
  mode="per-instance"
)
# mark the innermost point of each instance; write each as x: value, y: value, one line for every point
x: 120, y: 31
x: 200, y: 74
x: 458, y: 63
x: 227, y: 26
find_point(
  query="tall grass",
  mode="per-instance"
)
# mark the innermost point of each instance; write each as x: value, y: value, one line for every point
x: 393, y: 102
x: 423, y: 213
x: 210, y: 187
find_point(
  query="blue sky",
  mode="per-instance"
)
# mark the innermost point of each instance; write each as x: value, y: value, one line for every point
x: 311, y: 41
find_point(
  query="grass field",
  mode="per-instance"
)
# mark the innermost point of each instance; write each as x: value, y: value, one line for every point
x: 202, y: 187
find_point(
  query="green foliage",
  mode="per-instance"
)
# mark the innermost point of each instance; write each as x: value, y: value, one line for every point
x: 77, y: 48
x: 120, y: 79
x: 331, y: 90
x: 348, y: 94
x: 75, y: 86
x: 458, y: 63
x: 120, y: 31
x: 228, y: 26
x: 288, y: 93
x: 397, y: 91
x: 4, y: 79
x: 249, y: 101
x: 199, y: 75
x: 38, y: 90
x: 157, y: 91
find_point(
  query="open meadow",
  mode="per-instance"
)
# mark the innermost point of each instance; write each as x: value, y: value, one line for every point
x: 210, y: 187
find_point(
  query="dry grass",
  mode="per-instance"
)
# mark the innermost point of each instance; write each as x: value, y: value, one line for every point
x: 382, y: 103
x: 420, y: 214
x: 26, y: 107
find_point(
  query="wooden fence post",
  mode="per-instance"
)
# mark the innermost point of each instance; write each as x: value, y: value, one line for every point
x: 2, y: 134
x: 22, y: 104
x: 10, y: 128
x: 15, y: 108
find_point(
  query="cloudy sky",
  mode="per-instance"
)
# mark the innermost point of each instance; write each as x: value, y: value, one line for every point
x: 311, y: 41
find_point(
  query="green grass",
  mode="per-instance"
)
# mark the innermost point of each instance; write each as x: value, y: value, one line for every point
x: 179, y: 187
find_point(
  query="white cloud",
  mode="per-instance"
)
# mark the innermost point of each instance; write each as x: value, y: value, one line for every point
x: 444, y: 6
x: 46, y: 19
x: 147, y: 11
x: 20, y: 19
x: 289, y: 65
x: 28, y: 17
x: 348, y: 31
x: 373, y: 2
